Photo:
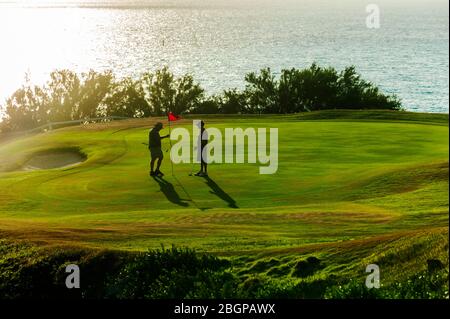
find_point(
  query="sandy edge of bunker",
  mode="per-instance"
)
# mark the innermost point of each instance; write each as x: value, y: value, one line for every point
x: 51, y: 159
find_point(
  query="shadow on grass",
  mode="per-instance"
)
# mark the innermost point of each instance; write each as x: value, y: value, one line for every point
x: 219, y: 192
x: 169, y: 191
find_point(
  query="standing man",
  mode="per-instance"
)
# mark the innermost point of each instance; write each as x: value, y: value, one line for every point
x: 203, y: 141
x: 154, y: 145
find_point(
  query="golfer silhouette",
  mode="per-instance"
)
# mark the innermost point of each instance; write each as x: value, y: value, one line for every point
x: 154, y: 145
x: 202, y: 142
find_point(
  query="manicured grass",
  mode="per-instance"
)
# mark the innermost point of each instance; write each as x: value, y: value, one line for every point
x: 349, y: 191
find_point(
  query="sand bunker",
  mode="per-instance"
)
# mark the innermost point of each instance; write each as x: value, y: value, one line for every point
x: 54, y: 159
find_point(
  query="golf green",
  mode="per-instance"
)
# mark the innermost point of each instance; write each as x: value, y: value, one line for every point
x: 337, y: 181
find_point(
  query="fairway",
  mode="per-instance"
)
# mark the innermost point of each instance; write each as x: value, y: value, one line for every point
x: 337, y: 181
x: 224, y: 156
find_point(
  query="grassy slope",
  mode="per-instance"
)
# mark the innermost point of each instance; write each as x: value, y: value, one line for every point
x: 349, y: 191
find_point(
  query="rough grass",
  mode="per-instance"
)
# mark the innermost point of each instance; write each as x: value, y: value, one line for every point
x: 409, y: 270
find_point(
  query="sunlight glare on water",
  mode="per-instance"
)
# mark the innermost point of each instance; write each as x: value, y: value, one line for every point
x: 407, y: 56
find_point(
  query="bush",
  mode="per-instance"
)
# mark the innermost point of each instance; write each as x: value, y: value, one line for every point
x: 167, y: 93
x: 172, y: 273
x: 26, y: 272
x: 424, y: 285
x: 314, y: 88
x: 126, y: 98
x: 208, y: 106
x: 66, y: 96
x: 355, y: 289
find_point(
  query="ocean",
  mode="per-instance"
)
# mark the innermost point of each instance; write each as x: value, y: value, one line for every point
x: 220, y: 41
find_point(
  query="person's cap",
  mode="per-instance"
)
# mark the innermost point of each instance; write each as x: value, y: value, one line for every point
x: 159, y: 124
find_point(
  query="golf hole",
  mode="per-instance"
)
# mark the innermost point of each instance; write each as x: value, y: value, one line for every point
x: 60, y: 158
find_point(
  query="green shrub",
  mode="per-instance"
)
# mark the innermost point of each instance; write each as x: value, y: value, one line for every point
x: 424, y: 285
x: 172, y: 273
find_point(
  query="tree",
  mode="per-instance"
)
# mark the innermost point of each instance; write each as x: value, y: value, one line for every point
x: 127, y: 99
x: 233, y: 102
x: 24, y: 109
x: 165, y: 92
x: 69, y: 96
x: 317, y: 88
x: 160, y: 90
x: 356, y: 93
x: 313, y: 88
x: 188, y: 94
x: 94, y: 90
x: 262, y: 90
x: 64, y: 91
x: 209, y: 105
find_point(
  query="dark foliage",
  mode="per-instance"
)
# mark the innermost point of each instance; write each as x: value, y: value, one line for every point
x: 171, y: 273
x: 165, y: 273
x: 68, y: 96
x: 28, y: 272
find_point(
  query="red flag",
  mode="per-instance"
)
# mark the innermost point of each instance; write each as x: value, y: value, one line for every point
x: 173, y: 117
